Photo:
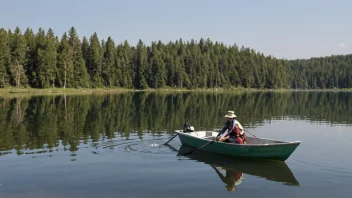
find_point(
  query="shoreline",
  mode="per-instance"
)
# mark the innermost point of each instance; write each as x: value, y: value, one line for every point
x: 11, y: 91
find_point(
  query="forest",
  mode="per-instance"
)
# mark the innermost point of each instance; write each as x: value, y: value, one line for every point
x: 44, y: 60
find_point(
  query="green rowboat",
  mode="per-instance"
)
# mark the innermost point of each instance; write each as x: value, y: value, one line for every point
x: 255, y: 147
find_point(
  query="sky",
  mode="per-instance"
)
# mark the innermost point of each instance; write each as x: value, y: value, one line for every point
x: 280, y: 28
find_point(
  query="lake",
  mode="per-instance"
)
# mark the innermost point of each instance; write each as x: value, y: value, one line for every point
x: 112, y: 145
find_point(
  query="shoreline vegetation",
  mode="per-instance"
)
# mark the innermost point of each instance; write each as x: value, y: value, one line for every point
x: 49, y: 63
x: 46, y: 91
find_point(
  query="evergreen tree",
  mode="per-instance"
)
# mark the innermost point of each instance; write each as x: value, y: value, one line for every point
x: 18, y: 59
x: 95, y: 60
x: 65, y: 75
x: 47, y: 61
x: 109, y: 69
x: 31, y: 57
x: 51, y: 50
x: 158, y: 68
x: 124, y: 69
x: 40, y: 65
x: 141, y: 66
x: 4, y: 58
x: 85, y: 49
x: 80, y: 73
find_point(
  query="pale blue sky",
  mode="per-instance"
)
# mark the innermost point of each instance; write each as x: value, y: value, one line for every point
x: 284, y: 29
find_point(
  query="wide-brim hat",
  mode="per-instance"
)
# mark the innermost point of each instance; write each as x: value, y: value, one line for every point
x: 230, y: 114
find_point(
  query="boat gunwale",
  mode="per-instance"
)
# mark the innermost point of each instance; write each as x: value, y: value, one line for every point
x: 273, y: 144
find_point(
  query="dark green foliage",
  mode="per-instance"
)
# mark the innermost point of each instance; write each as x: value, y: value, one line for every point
x: 95, y: 61
x: 65, y: 67
x: 18, y: 50
x: 31, y: 57
x: 141, y: 68
x: 108, y: 67
x: 158, y: 75
x: 124, y: 66
x: 4, y: 57
x: 47, y: 58
x: 326, y: 72
x: 85, y: 49
x: 80, y: 74
x: 41, y: 60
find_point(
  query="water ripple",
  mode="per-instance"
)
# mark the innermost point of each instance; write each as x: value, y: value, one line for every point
x: 152, y: 146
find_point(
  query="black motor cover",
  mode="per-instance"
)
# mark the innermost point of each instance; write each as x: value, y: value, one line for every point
x: 188, y: 127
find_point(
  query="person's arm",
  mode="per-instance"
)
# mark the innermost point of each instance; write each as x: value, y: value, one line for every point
x: 239, y: 125
x: 221, y: 132
x: 223, y: 129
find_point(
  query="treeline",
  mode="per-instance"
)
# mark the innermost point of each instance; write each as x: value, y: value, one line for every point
x: 327, y: 72
x: 43, y: 60
x: 45, y: 122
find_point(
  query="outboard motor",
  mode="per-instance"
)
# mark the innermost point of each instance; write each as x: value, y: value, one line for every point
x: 188, y: 128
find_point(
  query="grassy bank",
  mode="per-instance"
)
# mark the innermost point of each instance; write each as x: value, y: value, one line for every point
x: 57, y: 91
x: 34, y: 91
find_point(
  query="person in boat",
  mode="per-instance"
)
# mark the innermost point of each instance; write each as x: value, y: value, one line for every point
x: 235, y: 132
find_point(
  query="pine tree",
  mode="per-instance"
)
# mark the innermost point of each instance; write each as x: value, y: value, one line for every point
x: 18, y: 58
x: 4, y: 57
x: 47, y: 61
x: 80, y: 71
x: 95, y: 59
x: 128, y: 72
x: 123, y: 67
x: 65, y: 76
x: 141, y: 66
x: 31, y: 57
x: 158, y: 68
x: 179, y: 72
x: 170, y: 69
x: 40, y: 65
x: 85, y: 49
x: 51, y: 54
x: 109, y: 68
x: 263, y: 71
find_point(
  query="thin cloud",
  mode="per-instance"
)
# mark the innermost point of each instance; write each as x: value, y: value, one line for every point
x: 342, y: 45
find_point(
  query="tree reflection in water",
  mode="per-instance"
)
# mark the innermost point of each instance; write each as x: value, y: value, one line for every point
x: 46, y: 123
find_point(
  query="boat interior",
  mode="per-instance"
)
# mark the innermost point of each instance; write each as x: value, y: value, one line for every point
x: 210, y: 135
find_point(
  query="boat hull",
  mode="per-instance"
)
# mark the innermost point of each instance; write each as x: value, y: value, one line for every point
x: 275, y: 151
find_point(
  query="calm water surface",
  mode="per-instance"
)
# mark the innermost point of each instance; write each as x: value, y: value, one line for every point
x: 112, y: 145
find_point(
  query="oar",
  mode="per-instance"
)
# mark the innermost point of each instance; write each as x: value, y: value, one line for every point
x: 251, y: 133
x: 170, y: 139
x: 202, y: 146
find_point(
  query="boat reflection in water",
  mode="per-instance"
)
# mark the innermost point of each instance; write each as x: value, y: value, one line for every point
x: 232, y: 170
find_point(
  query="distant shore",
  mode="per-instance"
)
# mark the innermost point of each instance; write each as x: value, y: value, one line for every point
x: 11, y: 91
